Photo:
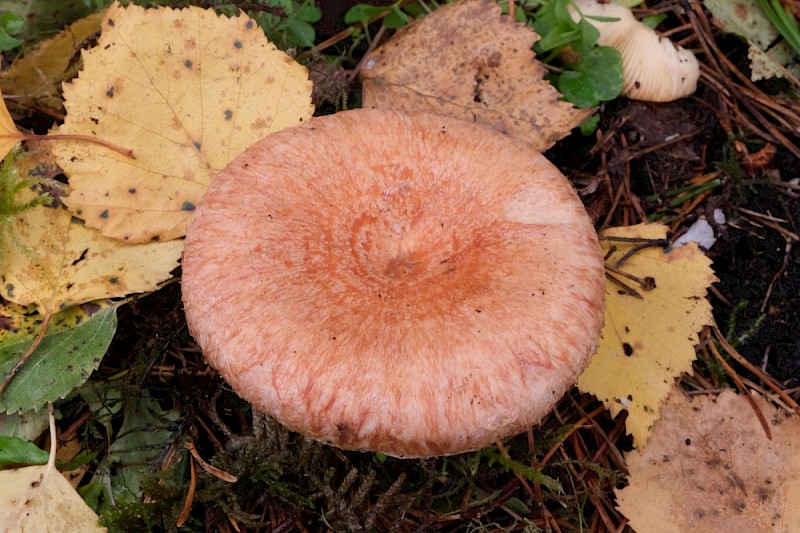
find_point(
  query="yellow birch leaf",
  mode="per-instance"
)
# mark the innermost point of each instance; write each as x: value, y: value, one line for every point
x: 53, y: 261
x: 709, y: 468
x: 186, y: 90
x: 468, y: 61
x: 9, y: 134
x: 35, y: 79
x: 39, y: 498
x: 648, y: 342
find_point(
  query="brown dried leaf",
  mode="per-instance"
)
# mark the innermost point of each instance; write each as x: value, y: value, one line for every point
x: 34, y: 81
x: 708, y: 467
x: 468, y: 61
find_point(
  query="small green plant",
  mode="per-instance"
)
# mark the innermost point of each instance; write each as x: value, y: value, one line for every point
x: 363, y: 13
x: 10, y: 23
x: 587, y: 73
x: 289, y: 23
x: 784, y: 22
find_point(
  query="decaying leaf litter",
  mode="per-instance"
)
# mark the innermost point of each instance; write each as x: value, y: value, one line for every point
x: 492, y: 485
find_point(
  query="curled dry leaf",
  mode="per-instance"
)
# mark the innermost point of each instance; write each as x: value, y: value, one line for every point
x: 468, y: 61
x: 187, y: 90
x: 649, y: 340
x: 708, y: 467
x: 34, y: 80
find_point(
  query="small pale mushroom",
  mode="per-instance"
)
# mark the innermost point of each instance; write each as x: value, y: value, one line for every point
x: 654, y: 69
x: 416, y: 286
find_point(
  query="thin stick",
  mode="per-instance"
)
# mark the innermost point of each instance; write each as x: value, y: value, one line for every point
x: 51, y: 417
x: 187, y: 505
x: 755, y: 370
x: 74, y: 137
x: 211, y: 469
x: 741, y: 386
x: 32, y: 348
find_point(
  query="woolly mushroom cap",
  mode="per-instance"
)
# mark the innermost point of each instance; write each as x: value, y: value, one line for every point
x: 654, y: 69
x: 416, y: 286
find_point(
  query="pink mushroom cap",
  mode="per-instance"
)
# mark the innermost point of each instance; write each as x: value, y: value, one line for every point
x: 413, y: 285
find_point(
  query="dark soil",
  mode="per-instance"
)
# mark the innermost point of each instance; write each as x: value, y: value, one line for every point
x: 759, y: 272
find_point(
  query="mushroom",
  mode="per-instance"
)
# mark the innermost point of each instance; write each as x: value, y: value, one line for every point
x: 413, y: 285
x: 654, y: 69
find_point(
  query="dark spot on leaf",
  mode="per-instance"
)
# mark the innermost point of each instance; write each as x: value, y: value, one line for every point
x: 627, y: 348
x: 110, y: 92
x: 688, y: 442
x: 10, y: 289
x: 104, y: 214
x: 155, y: 238
x: 95, y: 120
x: 228, y: 114
x: 81, y: 258
x: 187, y: 206
x: 187, y: 63
x: 114, y: 280
x: 237, y: 43
x: 111, y: 22
x: 249, y: 25
x: 70, y: 285
x: 197, y: 144
x: 477, y: 310
x: 132, y: 190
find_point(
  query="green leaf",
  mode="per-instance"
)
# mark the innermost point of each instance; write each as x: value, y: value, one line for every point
x: 26, y: 426
x: 12, y: 23
x: 14, y: 451
x: 299, y: 34
x: 70, y: 351
x: 589, y: 126
x: 654, y: 20
x: 362, y: 13
x: 588, y: 36
x: 307, y: 13
x: 396, y: 19
x: 597, y: 77
x: 142, y: 437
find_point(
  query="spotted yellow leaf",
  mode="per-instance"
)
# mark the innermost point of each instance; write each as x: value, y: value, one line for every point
x: 39, y: 498
x: 648, y: 339
x: 186, y: 90
x: 53, y: 261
